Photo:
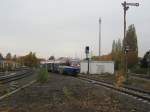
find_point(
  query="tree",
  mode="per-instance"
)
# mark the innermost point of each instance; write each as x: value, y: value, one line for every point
x: 117, y: 53
x: 8, y: 56
x: 9, y: 62
x: 51, y: 58
x: 20, y: 60
x: 144, y: 61
x: 30, y: 60
x: 1, y: 62
x: 113, y: 47
x: 119, y: 46
x: 14, y: 58
x: 131, y: 41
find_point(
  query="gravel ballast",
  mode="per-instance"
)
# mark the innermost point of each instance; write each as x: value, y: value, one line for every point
x: 69, y: 94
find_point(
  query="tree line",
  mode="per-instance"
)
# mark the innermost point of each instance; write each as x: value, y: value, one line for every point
x: 8, y: 62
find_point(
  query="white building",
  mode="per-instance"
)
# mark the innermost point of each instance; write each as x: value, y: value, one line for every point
x: 97, y: 67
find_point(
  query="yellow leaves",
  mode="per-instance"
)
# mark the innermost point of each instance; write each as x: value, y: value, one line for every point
x: 119, y: 78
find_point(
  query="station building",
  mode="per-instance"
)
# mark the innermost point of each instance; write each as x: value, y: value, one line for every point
x: 97, y: 67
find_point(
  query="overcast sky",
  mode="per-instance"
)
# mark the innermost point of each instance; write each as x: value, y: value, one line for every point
x: 65, y: 27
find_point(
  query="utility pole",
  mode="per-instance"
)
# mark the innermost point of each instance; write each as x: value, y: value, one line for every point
x: 148, y: 71
x: 126, y: 7
x: 100, y: 36
x: 148, y: 60
x: 87, y: 58
x: 46, y: 65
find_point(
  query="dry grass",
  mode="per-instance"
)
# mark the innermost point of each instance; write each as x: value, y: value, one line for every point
x: 93, y: 105
x: 119, y: 78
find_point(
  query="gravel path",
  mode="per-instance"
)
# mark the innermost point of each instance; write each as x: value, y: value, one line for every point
x: 69, y: 94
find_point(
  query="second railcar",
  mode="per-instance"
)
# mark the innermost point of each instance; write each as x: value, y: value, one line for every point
x: 57, y: 67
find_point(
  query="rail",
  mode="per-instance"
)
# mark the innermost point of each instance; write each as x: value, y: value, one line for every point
x: 140, y: 94
x: 15, y: 76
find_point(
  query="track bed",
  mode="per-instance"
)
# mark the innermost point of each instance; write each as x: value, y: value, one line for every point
x: 69, y: 94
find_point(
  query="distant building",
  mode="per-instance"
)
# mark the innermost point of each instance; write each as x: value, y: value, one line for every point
x: 97, y: 67
x: 7, y: 64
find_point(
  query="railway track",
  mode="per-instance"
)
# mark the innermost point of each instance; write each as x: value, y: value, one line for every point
x: 136, y: 93
x: 15, y: 76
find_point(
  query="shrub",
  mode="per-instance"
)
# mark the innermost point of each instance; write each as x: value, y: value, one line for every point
x: 139, y: 70
x: 42, y: 75
x: 120, y: 79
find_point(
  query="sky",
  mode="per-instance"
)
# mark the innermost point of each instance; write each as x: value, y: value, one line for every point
x: 65, y: 27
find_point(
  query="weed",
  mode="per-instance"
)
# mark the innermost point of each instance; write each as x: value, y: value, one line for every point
x: 42, y: 75
x: 119, y: 78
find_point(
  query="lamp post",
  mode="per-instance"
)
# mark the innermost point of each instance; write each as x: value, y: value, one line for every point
x: 46, y: 65
x: 87, y: 57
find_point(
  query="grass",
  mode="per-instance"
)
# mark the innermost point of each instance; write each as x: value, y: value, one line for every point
x: 42, y: 76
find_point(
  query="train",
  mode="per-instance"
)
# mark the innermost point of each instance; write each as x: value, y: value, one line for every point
x: 61, y: 67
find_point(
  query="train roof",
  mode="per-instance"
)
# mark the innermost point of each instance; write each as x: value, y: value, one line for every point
x: 52, y: 61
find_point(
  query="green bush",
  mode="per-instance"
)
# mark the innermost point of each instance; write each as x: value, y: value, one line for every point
x: 139, y: 70
x: 42, y: 75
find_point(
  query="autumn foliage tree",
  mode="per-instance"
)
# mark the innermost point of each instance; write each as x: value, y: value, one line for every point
x: 8, y: 59
x: 131, y: 42
x: 30, y: 60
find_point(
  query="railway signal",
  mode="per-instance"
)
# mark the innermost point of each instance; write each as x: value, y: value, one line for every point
x: 125, y: 8
x: 87, y: 49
